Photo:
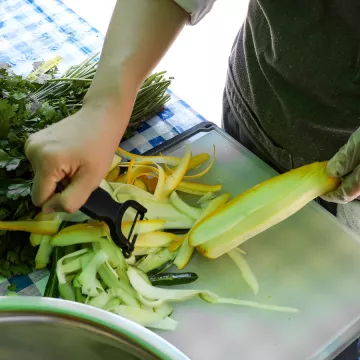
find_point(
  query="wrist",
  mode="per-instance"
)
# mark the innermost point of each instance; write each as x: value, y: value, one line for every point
x: 110, y: 105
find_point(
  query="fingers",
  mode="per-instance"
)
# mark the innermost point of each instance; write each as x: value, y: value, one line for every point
x: 347, y: 158
x: 43, y: 187
x: 81, y: 185
x: 348, y: 190
x: 46, y: 167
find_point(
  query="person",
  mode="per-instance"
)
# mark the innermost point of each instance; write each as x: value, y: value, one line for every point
x: 291, y: 96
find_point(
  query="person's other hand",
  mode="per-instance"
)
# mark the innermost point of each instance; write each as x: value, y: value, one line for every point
x: 80, y: 149
x: 346, y: 165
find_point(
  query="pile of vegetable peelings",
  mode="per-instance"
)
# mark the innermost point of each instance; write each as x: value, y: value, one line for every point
x: 87, y: 267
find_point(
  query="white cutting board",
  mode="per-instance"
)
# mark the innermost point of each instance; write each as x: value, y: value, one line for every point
x: 309, y: 261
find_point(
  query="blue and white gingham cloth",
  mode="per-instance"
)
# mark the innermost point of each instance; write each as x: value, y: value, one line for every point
x: 34, y: 30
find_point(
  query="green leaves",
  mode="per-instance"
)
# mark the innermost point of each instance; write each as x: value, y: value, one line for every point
x: 16, y: 191
x: 8, y: 162
x: 7, y: 111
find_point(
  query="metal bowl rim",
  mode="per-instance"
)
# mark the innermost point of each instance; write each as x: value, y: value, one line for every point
x: 134, y: 332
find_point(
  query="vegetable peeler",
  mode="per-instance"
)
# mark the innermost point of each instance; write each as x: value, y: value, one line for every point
x: 101, y: 206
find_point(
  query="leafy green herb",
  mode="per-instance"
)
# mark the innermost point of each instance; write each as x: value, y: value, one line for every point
x: 7, y: 111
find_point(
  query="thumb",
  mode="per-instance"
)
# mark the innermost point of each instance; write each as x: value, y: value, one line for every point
x: 76, y: 193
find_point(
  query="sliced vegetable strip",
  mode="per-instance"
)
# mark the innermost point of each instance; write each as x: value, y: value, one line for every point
x: 156, y: 260
x: 213, y: 206
x: 177, y: 175
x: 160, y: 296
x: 140, y: 184
x: 205, y: 171
x: 155, y: 239
x: 146, y: 317
x: 198, y: 160
x: 115, y: 162
x: 169, y: 160
x: 182, y: 206
x: 79, y: 233
x: 184, y: 255
x: 143, y: 226
x: 177, y: 242
x: 44, y: 252
x: 113, y: 174
x: 186, y: 249
x: 129, y: 173
x: 59, y: 267
x: 32, y: 226
x: 173, y: 218
x: 245, y: 269
x: 87, y: 279
x: 196, y: 188
x: 195, y: 162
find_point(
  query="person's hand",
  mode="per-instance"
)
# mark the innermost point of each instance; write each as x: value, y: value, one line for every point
x: 346, y: 165
x: 80, y: 149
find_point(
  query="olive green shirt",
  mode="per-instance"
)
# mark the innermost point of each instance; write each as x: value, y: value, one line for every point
x: 294, y: 77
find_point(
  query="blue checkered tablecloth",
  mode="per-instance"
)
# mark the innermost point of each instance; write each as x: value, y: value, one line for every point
x: 33, y: 30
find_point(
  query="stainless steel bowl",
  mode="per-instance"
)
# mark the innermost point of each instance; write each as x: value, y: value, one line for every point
x: 35, y: 328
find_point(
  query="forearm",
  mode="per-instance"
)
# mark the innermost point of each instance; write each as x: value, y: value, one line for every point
x: 139, y: 34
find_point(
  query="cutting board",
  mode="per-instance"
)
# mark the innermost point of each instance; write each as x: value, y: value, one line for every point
x: 309, y: 261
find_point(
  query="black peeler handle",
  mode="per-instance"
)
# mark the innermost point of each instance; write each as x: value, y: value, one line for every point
x: 101, y: 206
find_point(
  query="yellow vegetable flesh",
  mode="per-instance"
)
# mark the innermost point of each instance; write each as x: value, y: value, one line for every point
x: 205, y: 171
x: 155, y: 239
x: 177, y: 175
x: 169, y: 160
x: 196, y: 188
x: 186, y: 249
x: 140, y: 184
x: 259, y: 208
x: 113, y: 174
x: 142, y: 226
x: 32, y: 226
x: 177, y: 242
x: 115, y: 162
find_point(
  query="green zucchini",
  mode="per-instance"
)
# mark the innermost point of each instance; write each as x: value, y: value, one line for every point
x: 52, y: 286
x: 67, y: 291
x: 171, y: 279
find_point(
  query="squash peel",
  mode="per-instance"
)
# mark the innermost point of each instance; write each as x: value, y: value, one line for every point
x: 41, y: 227
x: 142, y: 226
x: 197, y: 188
x: 169, y: 160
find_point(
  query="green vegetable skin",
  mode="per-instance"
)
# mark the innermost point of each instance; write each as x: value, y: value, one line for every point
x: 171, y: 279
x: 52, y: 286
x: 29, y: 106
x: 161, y: 268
